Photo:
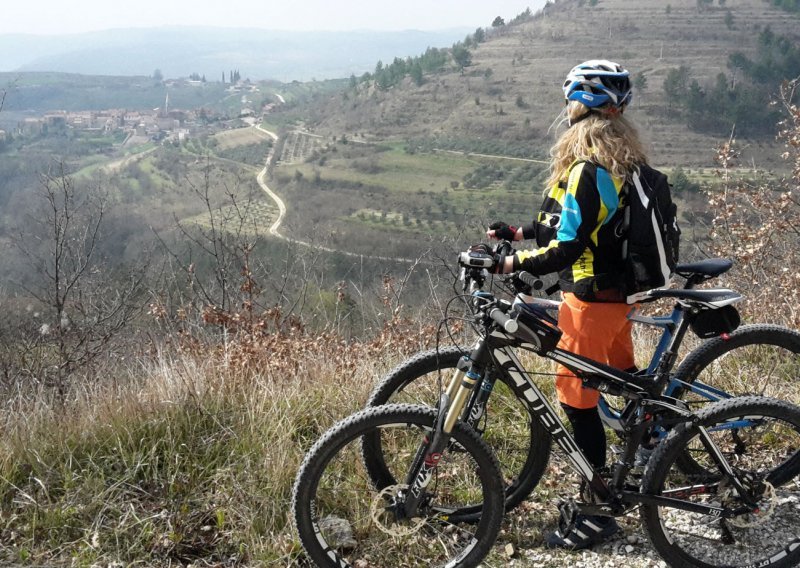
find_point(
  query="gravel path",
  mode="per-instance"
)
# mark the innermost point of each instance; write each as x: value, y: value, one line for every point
x: 521, y: 542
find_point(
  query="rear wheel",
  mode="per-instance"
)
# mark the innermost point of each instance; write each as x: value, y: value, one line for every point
x: 758, y: 437
x: 754, y: 360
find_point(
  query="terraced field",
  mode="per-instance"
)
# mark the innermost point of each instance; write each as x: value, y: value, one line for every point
x: 252, y: 219
x: 299, y: 147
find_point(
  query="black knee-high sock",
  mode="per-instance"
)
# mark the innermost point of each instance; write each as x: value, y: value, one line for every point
x: 589, y: 433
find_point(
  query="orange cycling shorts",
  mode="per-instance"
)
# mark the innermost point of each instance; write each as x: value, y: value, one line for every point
x: 598, y: 330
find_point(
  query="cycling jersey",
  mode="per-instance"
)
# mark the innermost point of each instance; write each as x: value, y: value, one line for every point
x: 579, y: 234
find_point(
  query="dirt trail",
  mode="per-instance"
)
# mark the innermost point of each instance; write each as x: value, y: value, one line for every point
x: 117, y: 165
x: 274, y: 229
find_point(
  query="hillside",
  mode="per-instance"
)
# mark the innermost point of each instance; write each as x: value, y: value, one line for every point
x: 509, y: 95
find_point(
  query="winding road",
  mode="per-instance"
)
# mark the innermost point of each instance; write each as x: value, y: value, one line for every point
x: 274, y: 228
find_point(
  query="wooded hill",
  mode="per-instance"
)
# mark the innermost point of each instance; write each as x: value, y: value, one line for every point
x: 507, y: 95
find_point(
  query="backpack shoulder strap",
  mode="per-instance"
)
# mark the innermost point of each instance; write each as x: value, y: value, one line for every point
x: 643, y: 195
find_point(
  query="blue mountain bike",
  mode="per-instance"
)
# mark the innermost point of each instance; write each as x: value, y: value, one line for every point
x: 753, y: 359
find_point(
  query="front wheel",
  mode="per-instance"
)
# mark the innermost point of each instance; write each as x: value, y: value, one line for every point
x: 757, y: 437
x: 344, y: 519
x: 519, y: 441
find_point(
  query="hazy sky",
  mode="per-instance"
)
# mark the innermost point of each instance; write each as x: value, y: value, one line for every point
x: 74, y: 16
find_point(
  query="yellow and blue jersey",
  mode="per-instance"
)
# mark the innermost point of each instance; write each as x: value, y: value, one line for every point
x: 578, y: 232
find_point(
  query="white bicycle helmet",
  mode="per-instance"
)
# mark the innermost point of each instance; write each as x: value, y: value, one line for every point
x: 597, y: 83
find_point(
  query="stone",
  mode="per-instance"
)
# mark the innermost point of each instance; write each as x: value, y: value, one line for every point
x: 509, y: 550
x: 338, y: 532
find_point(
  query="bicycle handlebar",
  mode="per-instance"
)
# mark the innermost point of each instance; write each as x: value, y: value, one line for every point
x: 529, y: 280
x: 474, y: 259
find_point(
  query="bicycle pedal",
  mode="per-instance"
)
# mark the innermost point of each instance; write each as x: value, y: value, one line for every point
x: 568, y: 510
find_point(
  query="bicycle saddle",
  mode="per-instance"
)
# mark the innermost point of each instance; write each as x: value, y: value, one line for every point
x: 708, y: 268
x: 714, y: 298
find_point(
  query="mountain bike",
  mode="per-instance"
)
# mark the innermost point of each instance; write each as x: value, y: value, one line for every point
x: 523, y: 449
x: 433, y: 474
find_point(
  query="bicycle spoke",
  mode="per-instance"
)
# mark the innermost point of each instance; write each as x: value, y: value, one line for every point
x: 346, y: 520
x: 754, y: 453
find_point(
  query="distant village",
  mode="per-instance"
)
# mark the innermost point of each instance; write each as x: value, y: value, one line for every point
x: 162, y: 123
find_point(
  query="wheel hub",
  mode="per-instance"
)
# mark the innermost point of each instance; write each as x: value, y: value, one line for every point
x: 762, y: 513
x: 383, y: 511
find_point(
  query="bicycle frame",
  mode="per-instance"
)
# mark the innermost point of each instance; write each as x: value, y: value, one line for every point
x: 637, y: 418
x: 674, y: 329
x: 643, y: 393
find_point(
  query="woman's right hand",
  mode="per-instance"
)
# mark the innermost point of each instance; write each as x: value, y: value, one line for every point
x: 500, y: 230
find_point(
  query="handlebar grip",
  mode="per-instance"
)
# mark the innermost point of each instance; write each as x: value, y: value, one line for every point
x: 508, y: 324
x: 531, y: 280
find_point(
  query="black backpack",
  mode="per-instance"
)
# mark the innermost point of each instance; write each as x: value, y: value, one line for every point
x: 650, y: 249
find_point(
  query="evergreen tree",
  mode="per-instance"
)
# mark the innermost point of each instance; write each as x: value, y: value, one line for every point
x: 676, y: 84
x: 681, y: 183
x: 416, y: 73
x: 462, y: 56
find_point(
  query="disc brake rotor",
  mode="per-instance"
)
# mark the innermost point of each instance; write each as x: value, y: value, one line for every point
x: 382, y: 511
x: 766, y: 506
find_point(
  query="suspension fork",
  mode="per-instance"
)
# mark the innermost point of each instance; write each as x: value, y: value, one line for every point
x: 474, y: 405
x: 452, y: 403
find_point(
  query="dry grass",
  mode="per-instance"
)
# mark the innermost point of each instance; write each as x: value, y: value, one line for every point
x: 190, y: 457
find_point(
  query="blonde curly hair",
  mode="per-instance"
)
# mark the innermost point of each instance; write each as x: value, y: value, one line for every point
x: 603, y: 136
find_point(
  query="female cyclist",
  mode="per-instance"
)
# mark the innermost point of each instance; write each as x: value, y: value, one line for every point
x: 578, y: 234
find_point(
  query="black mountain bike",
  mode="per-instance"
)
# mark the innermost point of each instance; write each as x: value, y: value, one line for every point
x: 399, y: 485
x: 758, y: 357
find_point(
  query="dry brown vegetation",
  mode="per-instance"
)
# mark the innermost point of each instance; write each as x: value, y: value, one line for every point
x: 757, y: 223
x: 188, y: 456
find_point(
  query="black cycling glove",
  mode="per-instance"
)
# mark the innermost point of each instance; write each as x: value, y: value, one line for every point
x: 503, y: 230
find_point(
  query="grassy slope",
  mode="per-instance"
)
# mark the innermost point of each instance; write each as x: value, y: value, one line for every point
x: 530, y: 60
x: 192, y: 457
x: 377, y: 199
